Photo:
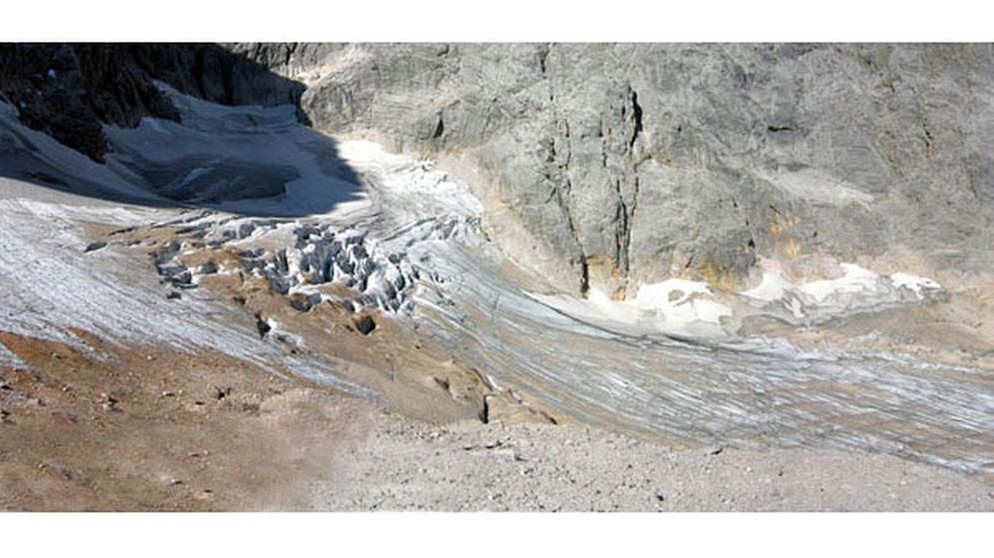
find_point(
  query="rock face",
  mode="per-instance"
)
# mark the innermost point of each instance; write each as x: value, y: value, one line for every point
x: 70, y: 91
x: 613, y: 165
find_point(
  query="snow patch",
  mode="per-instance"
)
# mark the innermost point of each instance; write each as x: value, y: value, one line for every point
x: 672, y: 307
x: 251, y: 160
x: 918, y: 285
x: 10, y: 360
x: 855, y: 281
x: 858, y: 290
x: 680, y: 301
x: 773, y: 285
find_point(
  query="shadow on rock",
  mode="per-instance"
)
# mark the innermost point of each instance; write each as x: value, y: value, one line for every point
x: 165, y: 125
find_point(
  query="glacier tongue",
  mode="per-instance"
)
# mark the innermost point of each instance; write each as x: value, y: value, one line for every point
x: 401, y: 237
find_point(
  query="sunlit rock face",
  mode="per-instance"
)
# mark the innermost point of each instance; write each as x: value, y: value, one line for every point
x: 628, y: 164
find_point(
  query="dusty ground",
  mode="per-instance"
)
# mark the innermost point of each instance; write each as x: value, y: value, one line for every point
x: 149, y: 428
x: 160, y: 430
x: 469, y: 467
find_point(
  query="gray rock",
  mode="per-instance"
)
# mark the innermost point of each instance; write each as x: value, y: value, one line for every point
x: 93, y: 246
x: 262, y: 325
x: 303, y: 302
x: 364, y: 324
x: 612, y: 164
x: 208, y: 268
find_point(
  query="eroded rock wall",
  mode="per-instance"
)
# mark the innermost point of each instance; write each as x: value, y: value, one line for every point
x: 616, y: 164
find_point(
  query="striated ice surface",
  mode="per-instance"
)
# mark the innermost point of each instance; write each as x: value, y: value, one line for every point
x: 404, y: 238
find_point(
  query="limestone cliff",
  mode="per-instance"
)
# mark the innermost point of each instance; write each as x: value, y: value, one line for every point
x: 616, y: 164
